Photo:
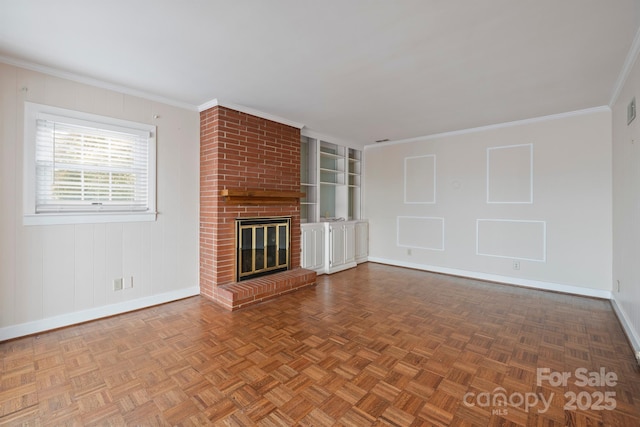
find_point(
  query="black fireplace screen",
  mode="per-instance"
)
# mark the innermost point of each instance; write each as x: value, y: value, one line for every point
x: 263, y: 246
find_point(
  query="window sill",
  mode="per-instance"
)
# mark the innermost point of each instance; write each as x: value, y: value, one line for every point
x: 87, y: 218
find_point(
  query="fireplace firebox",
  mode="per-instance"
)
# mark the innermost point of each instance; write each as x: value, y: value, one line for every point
x: 262, y: 246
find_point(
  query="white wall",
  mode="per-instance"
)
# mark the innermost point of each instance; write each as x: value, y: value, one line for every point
x: 571, y: 199
x: 55, y: 275
x: 626, y: 208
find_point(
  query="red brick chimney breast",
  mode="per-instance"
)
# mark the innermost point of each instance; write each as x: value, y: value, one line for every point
x: 239, y: 151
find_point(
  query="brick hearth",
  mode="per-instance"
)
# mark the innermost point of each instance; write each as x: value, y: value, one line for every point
x: 239, y: 151
x: 248, y: 292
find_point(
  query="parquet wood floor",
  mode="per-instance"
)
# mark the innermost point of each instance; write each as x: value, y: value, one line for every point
x: 375, y: 345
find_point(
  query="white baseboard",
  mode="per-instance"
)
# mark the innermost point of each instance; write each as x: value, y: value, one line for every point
x: 626, y: 324
x: 547, y: 286
x: 36, y: 326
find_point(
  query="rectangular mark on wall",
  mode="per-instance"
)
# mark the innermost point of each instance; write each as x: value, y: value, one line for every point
x: 421, y: 232
x: 510, y: 174
x: 420, y: 179
x: 515, y: 239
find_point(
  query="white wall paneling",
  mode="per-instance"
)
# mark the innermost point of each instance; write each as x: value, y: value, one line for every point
x: 421, y: 232
x: 58, y: 270
x: 114, y: 259
x: 132, y: 255
x: 514, y: 239
x: 101, y: 286
x: 510, y: 174
x: 83, y: 267
x: 420, y: 179
x: 29, y: 295
x: 35, y: 326
x: 51, y: 275
x: 9, y: 154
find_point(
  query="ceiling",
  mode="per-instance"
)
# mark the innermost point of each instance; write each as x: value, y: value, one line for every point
x: 359, y: 70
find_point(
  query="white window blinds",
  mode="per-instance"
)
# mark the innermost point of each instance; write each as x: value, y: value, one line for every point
x: 86, y: 167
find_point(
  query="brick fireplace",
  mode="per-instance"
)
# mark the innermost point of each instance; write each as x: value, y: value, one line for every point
x: 258, y: 159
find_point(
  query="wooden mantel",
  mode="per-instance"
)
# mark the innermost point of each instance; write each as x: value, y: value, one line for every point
x: 260, y: 197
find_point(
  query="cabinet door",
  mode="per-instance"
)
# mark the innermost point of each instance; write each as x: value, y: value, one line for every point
x: 313, y: 248
x: 319, y: 249
x: 349, y: 243
x: 337, y: 246
x: 308, y: 248
x: 362, y: 241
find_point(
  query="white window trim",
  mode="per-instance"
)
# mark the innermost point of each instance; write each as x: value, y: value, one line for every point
x: 33, y: 111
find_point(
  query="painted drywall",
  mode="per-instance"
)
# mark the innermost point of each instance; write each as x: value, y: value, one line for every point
x: 565, y: 227
x: 626, y: 209
x: 52, y: 275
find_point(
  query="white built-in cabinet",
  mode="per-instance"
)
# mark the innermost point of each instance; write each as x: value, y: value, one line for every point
x: 334, y: 237
x: 341, y: 250
x: 313, y: 246
x: 329, y: 247
x: 362, y: 241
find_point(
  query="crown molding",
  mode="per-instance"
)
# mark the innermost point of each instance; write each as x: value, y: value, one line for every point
x: 310, y: 133
x: 54, y: 72
x: 604, y: 108
x: 247, y: 110
x: 629, y: 62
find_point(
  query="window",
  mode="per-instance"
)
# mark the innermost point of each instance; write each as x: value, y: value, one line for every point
x: 85, y: 168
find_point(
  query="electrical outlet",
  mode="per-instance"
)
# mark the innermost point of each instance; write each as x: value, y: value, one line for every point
x: 117, y: 284
x: 408, y: 251
x: 516, y: 265
x: 618, y: 281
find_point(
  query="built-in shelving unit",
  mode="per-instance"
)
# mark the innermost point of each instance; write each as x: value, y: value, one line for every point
x: 332, y: 164
x: 334, y: 237
x: 309, y: 179
x: 332, y: 179
x: 330, y: 176
x: 354, y: 158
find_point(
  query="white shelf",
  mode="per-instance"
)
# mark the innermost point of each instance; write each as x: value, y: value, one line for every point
x: 331, y: 155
